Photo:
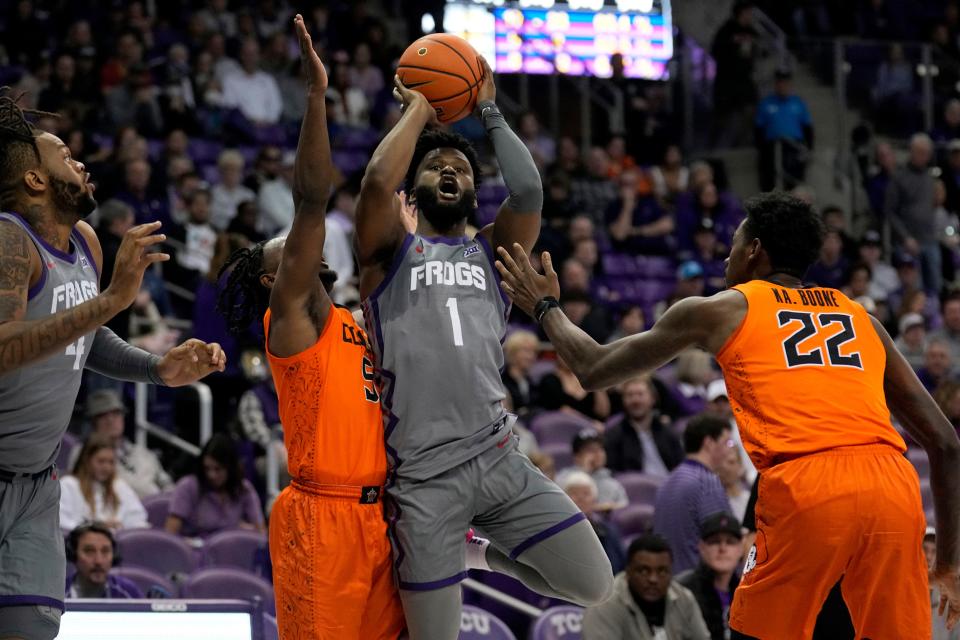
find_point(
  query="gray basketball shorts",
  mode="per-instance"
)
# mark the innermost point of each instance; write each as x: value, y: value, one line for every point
x: 500, y: 493
x: 32, y: 563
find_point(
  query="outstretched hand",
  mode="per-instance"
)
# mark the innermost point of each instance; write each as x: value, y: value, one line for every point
x: 410, y: 98
x: 520, y: 280
x: 488, y: 88
x: 315, y: 71
x: 191, y: 361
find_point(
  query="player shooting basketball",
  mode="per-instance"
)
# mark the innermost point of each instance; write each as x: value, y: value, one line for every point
x: 436, y: 318
x: 810, y: 376
x: 51, y: 328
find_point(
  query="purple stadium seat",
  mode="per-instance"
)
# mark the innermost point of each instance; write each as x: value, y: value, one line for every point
x: 558, y: 623
x: 560, y: 452
x: 634, y: 518
x: 227, y: 582
x: 204, y: 151
x: 157, y: 507
x: 270, y: 629
x: 67, y: 443
x: 210, y: 174
x: 558, y: 426
x: 659, y: 268
x: 541, y: 368
x: 151, y: 583
x: 477, y: 624
x: 234, y: 548
x: 641, y: 488
x: 155, y: 549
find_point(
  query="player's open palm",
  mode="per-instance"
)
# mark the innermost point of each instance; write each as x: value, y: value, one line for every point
x: 521, y: 281
x: 133, y: 258
x: 947, y: 582
x: 316, y: 73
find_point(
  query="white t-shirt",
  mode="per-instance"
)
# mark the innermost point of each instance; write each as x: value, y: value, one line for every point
x: 74, y: 510
x: 255, y: 94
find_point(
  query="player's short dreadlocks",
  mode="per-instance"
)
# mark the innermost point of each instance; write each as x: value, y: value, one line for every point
x: 19, y: 144
x: 242, y: 299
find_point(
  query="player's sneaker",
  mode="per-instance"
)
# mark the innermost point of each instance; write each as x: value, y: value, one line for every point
x: 477, y: 551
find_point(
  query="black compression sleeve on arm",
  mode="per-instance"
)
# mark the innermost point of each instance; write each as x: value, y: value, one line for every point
x: 519, y: 171
x: 112, y: 357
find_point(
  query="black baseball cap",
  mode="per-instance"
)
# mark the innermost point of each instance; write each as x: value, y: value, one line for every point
x: 720, y: 522
x: 585, y: 437
x: 871, y: 237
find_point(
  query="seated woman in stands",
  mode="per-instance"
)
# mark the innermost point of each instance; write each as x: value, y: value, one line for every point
x: 216, y: 496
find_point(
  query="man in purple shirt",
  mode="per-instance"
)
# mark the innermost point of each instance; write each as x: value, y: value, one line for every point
x: 91, y: 548
x: 693, y: 490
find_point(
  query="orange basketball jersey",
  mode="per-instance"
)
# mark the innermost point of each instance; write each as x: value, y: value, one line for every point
x: 330, y: 407
x: 804, y: 373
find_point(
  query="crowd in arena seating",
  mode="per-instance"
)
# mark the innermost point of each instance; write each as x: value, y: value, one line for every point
x: 191, y: 117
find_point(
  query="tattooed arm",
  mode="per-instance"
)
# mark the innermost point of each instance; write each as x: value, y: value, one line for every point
x: 24, y: 342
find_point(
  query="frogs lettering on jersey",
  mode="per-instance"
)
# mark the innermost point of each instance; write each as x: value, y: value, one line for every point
x: 71, y: 294
x: 440, y: 272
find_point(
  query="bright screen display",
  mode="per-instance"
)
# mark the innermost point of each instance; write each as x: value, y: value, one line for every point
x: 153, y: 625
x: 575, y: 38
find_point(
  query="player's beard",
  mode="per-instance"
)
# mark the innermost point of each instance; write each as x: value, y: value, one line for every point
x: 443, y: 216
x: 71, y: 201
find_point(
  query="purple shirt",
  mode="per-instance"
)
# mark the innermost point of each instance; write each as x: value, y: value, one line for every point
x: 691, y: 493
x: 208, y: 512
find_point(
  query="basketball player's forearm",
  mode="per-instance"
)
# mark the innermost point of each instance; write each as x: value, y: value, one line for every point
x: 24, y: 342
x: 520, y: 173
x: 392, y: 156
x: 944, y: 483
x: 577, y: 349
x: 113, y: 357
x: 313, y: 169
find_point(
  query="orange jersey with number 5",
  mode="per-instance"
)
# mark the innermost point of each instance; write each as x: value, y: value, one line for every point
x: 804, y: 373
x: 330, y: 407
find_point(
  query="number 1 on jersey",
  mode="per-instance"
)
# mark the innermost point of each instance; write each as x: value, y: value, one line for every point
x: 455, y: 320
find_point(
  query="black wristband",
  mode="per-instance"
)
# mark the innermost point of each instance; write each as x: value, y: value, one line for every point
x: 546, y: 303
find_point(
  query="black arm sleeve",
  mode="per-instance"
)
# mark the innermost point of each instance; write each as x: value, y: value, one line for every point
x: 519, y: 171
x: 112, y: 357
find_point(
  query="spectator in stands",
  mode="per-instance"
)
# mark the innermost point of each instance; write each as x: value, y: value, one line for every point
x: 715, y: 578
x: 275, y: 199
x: 252, y: 91
x: 883, y: 277
x: 265, y: 168
x: 950, y: 333
x: 583, y: 491
x: 363, y: 74
x: 541, y: 146
x: 91, y: 548
x: 590, y: 457
x: 147, y: 206
x: 632, y: 321
x: 227, y: 194
x: 198, y: 241
x: 707, y: 208
x: 348, y: 106
x: 693, y: 490
x: 558, y: 210
x: 731, y: 475
x: 562, y: 391
x: 569, y: 161
x: 718, y: 404
x: 216, y: 496
x: 875, y: 21
x: 670, y: 178
x: 834, y: 219
x: 735, y: 49
x: 593, y: 192
x: 647, y: 604
x: 950, y: 174
x: 881, y: 172
x: 710, y: 255
x: 893, y: 93
x: 636, y: 223
x: 66, y: 92
x: 116, y: 218
x: 338, y: 247
x: 520, y: 353
x: 258, y: 415
x: 949, y: 129
x: 127, y: 55
x: 621, y: 161
x: 909, y: 207
x: 643, y: 440
x: 217, y: 17
x: 694, y: 370
x: 579, y: 306
x: 830, y: 270
x: 136, y: 465
x: 587, y: 254
x: 245, y: 222
x: 136, y: 102
x: 947, y: 396
x: 690, y: 282
x: 94, y: 492
x: 937, y: 364
x: 783, y: 120
x: 912, y: 339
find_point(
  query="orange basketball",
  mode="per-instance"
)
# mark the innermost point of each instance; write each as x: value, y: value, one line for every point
x: 446, y: 70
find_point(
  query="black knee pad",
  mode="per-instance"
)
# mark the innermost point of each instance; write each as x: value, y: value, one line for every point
x: 29, y: 622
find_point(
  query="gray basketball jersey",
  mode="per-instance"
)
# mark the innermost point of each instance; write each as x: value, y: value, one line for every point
x: 437, y: 322
x: 36, y: 401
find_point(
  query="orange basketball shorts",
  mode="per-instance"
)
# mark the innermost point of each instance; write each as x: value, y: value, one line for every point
x: 852, y: 513
x: 332, y: 570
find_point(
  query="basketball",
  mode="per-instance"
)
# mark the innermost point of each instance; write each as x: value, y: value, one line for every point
x: 446, y: 70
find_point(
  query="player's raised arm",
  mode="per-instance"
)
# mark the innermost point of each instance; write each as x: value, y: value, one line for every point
x: 518, y: 219
x: 690, y: 322
x: 380, y: 228
x: 298, y: 307
x: 924, y: 421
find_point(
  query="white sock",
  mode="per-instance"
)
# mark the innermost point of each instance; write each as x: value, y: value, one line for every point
x: 477, y: 552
